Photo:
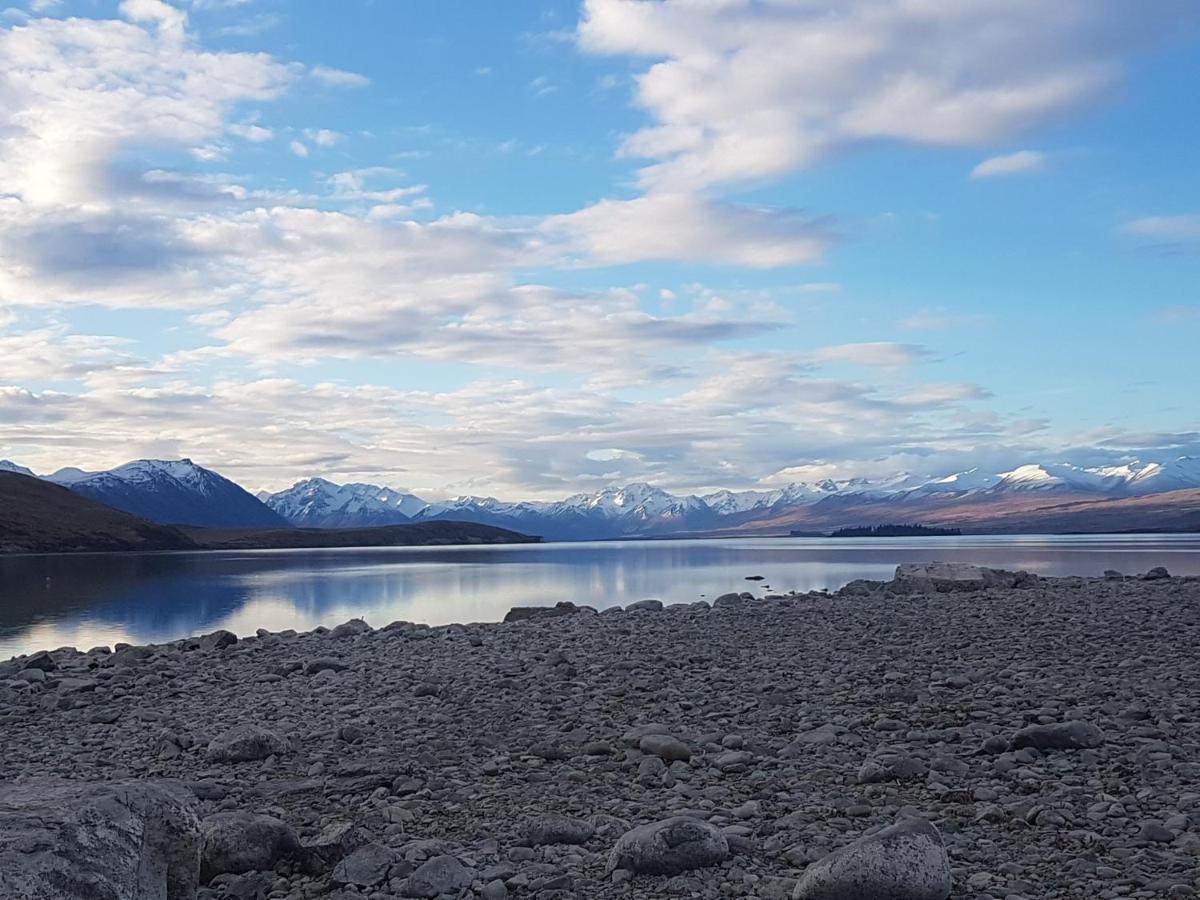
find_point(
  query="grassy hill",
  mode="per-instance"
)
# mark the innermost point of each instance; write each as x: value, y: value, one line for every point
x: 39, y: 517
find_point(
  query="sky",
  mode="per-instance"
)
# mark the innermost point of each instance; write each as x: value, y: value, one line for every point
x: 528, y: 249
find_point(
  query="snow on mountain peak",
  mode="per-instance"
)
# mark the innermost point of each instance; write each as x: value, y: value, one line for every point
x: 7, y: 465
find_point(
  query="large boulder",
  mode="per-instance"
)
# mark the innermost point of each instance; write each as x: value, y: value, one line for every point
x: 63, y: 840
x: 239, y: 842
x: 246, y: 743
x: 905, y: 861
x: 669, y: 847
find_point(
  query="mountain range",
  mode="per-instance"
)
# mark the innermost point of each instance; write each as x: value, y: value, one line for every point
x: 1060, y: 496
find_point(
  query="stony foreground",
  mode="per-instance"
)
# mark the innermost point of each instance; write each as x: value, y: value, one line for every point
x: 514, y: 760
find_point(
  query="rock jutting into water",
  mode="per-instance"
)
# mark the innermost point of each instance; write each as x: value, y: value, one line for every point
x: 956, y: 732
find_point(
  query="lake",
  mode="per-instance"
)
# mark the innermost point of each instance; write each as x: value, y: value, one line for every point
x: 92, y: 599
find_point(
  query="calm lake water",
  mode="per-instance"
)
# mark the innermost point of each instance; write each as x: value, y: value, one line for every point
x: 87, y: 600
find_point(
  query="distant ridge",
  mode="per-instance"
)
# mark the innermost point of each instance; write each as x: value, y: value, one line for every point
x: 39, y: 517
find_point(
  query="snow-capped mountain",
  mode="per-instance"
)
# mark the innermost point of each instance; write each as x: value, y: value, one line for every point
x: 318, y: 503
x: 7, y: 465
x: 1060, y: 477
x: 174, y: 492
x: 180, y: 492
x: 1154, y: 478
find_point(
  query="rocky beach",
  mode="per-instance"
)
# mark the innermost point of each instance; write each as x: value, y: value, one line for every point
x: 954, y: 732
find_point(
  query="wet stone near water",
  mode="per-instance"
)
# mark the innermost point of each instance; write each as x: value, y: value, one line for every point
x: 1046, y: 730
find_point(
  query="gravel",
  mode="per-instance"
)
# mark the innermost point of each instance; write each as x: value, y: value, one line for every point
x: 1048, y: 728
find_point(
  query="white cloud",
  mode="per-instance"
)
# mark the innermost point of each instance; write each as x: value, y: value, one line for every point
x: 339, y: 77
x: 298, y: 149
x: 322, y: 137
x: 742, y: 90
x: 877, y: 353
x: 1021, y: 162
x: 685, y: 226
x: 254, y: 133
x: 1167, y: 228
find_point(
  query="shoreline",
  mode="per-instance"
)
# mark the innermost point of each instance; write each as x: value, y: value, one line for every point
x: 539, y: 541
x: 792, y: 727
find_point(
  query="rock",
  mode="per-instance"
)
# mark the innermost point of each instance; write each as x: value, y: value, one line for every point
x: 669, y: 847
x: 246, y: 743
x: 524, y: 613
x: 905, y: 861
x: 68, y: 841
x: 1073, y: 735
x: 665, y: 747
x: 351, y: 734
x: 1155, y: 833
x: 218, y: 640
x: 440, y: 875
x: 239, y: 842
x: 42, y: 660
x: 367, y: 866
x: 649, y: 604
x: 351, y: 628
x: 550, y: 828
x: 324, y: 664
x: 732, y: 761
x: 335, y: 842
x: 1157, y: 574
x: 727, y: 600
x: 942, y: 577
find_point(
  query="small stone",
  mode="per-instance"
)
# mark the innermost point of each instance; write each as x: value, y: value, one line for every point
x: 440, y: 875
x: 218, y: 640
x: 366, y: 867
x: 1058, y: 736
x: 550, y: 828
x: 665, y: 747
x: 650, y: 604
x: 246, y: 743
x: 352, y: 628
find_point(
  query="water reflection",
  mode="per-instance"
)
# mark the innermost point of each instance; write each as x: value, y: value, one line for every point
x: 50, y: 601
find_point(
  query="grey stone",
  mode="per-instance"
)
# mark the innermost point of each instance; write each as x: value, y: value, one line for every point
x: 524, y: 613
x: 1073, y: 735
x: 352, y: 628
x: 551, y: 828
x: 61, y: 840
x: 665, y: 747
x: 669, y: 847
x: 367, y: 866
x: 440, y: 875
x: 218, y: 640
x: 238, y: 842
x: 649, y: 604
x: 906, y: 861
x: 246, y: 743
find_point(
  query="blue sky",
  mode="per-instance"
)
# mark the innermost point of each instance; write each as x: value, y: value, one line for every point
x: 529, y: 249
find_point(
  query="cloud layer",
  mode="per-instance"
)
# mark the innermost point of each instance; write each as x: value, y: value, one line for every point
x: 293, y: 318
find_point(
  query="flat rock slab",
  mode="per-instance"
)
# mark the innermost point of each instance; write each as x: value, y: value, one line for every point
x: 117, y: 841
